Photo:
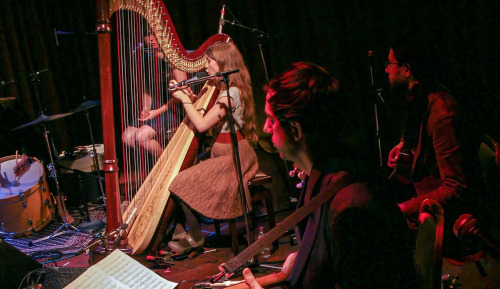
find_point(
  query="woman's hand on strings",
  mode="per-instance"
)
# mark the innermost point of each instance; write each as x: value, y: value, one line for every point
x: 149, y: 114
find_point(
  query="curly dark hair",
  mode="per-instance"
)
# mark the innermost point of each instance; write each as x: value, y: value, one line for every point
x: 306, y: 93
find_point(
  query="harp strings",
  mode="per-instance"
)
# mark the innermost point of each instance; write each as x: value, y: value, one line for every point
x: 144, y: 74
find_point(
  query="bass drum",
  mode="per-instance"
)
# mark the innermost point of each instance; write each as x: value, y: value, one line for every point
x: 25, y: 207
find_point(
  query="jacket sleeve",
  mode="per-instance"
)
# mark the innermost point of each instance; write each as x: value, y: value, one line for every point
x: 448, y: 153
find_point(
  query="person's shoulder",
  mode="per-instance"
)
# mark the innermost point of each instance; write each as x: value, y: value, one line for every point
x: 353, y: 194
x: 442, y: 103
x: 233, y: 92
x: 441, y: 95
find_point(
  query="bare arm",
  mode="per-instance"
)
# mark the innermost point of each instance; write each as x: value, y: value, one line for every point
x: 202, y: 122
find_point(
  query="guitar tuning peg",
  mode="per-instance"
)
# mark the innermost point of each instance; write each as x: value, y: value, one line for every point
x: 300, y: 185
x: 302, y: 175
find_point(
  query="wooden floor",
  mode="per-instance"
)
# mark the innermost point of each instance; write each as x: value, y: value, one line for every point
x: 202, y: 267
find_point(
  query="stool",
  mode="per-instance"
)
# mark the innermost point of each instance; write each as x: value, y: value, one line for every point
x: 258, y: 192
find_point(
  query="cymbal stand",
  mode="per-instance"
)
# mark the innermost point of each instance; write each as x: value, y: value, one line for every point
x: 53, y: 174
x: 94, y: 157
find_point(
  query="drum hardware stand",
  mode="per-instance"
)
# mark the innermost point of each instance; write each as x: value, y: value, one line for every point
x: 3, y: 231
x: 94, y: 157
x: 88, y: 225
x: 53, y: 174
x: 84, y: 208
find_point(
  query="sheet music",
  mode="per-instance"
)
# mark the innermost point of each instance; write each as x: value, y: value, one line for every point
x: 121, y: 272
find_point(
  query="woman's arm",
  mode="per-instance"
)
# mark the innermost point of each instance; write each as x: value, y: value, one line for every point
x: 202, y: 122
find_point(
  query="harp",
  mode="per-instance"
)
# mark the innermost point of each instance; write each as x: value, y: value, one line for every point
x: 148, y: 201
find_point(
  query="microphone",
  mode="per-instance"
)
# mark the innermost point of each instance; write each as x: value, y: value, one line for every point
x: 466, y: 226
x: 218, y: 285
x: 193, y: 79
x: 221, y: 20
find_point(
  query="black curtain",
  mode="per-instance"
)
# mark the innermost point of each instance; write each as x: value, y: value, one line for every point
x: 335, y: 34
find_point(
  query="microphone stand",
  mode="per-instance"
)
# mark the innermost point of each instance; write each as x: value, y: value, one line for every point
x: 234, y: 140
x: 375, y: 108
x: 261, y: 36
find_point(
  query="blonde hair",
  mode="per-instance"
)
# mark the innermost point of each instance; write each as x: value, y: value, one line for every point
x: 228, y: 57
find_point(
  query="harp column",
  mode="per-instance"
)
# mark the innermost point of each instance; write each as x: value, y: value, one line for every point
x: 113, y: 208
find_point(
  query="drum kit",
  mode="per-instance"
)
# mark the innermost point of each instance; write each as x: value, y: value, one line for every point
x: 26, y: 204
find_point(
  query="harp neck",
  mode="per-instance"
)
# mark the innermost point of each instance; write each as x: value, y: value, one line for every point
x: 158, y: 18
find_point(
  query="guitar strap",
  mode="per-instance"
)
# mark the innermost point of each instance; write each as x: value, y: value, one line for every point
x: 238, y: 261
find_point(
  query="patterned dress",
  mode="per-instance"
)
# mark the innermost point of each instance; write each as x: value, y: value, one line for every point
x: 212, y: 187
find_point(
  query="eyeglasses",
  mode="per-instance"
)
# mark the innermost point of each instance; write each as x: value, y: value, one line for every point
x: 387, y: 64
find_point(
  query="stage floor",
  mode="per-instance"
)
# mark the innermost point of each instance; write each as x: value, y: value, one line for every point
x: 189, y: 271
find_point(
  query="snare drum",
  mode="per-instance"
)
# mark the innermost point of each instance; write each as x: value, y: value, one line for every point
x: 27, y: 207
x: 81, y: 159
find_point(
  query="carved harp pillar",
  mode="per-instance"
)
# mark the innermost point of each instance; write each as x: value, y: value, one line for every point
x: 135, y: 78
x: 113, y: 211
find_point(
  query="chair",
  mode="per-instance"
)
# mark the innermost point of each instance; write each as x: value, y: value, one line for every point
x: 429, y: 245
x: 466, y: 227
x: 489, y: 160
x: 258, y: 192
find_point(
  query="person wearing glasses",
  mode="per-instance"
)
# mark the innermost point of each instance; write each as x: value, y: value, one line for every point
x: 434, y: 156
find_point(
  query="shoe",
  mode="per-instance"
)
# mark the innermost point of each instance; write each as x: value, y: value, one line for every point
x: 193, y: 242
x: 179, y: 233
x: 180, y: 247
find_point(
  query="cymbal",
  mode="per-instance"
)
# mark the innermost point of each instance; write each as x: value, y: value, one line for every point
x: 41, y: 119
x: 85, y: 105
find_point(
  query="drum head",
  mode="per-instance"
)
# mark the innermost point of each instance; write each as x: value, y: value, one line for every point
x: 26, y: 181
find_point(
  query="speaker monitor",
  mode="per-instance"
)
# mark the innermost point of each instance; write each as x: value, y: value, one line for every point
x: 14, y: 265
x: 60, y: 277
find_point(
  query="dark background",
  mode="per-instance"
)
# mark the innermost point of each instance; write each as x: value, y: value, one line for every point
x: 335, y: 34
